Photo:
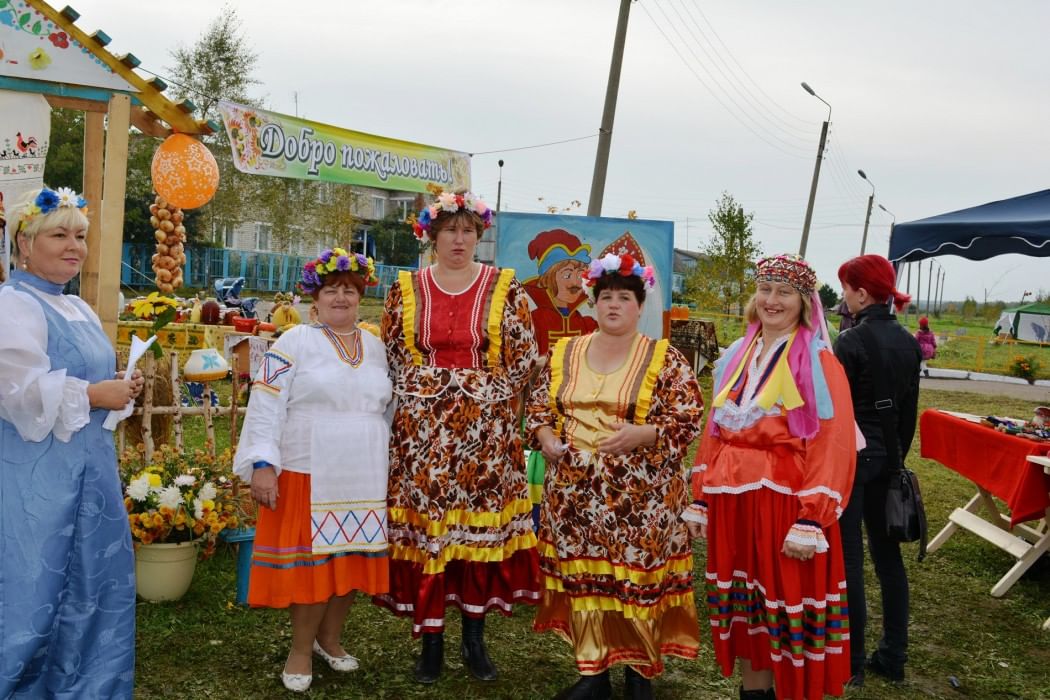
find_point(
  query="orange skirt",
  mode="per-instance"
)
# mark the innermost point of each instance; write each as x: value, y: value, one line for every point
x: 285, y: 571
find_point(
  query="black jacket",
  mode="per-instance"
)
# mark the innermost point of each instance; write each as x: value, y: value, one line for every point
x: 902, y: 358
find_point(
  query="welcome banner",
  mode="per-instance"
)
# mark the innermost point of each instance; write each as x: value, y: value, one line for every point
x: 268, y: 143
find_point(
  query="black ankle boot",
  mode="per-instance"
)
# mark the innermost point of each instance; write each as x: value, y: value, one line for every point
x: 588, y: 688
x: 475, y: 656
x: 767, y: 694
x: 431, y: 661
x: 636, y: 686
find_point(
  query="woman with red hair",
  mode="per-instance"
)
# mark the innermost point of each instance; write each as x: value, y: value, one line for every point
x: 868, y: 289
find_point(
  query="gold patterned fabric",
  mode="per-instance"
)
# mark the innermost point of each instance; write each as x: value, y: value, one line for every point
x: 614, y: 553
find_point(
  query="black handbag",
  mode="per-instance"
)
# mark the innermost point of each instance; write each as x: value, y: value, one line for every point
x: 905, y: 513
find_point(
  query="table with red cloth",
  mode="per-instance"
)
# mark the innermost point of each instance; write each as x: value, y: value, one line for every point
x: 997, y: 465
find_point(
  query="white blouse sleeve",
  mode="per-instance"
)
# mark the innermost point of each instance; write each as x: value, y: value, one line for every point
x: 33, y: 398
x: 260, y: 439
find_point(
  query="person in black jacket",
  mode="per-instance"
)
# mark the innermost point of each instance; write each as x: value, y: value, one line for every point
x: 868, y: 290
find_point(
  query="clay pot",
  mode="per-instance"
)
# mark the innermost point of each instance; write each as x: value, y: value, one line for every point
x: 244, y: 325
x: 210, y: 312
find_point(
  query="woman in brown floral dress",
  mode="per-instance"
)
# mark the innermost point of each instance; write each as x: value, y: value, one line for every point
x: 460, y: 346
x: 614, y: 414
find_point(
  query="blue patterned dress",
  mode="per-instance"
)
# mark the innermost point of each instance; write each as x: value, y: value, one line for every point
x: 67, y: 569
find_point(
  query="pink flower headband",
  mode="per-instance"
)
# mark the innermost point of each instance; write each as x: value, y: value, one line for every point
x: 451, y: 203
x: 610, y: 264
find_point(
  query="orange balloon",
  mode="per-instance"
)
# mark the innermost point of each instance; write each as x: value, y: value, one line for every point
x: 184, y: 172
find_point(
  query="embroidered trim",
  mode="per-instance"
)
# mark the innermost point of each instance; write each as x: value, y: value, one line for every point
x: 406, y: 281
x: 352, y: 355
x: 499, y: 299
x: 807, y: 536
x: 275, y: 363
x: 645, y: 392
x: 557, y: 378
x: 773, y: 486
x: 696, y: 513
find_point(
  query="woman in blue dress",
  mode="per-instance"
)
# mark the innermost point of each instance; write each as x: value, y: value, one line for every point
x: 67, y: 569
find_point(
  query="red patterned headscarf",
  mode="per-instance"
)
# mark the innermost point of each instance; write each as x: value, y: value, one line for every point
x: 789, y: 269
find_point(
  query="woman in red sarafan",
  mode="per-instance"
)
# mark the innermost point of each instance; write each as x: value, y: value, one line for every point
x: 460, y: 345
x: 772, y: 476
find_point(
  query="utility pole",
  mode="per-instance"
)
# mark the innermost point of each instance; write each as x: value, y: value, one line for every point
x: 813, y: 190
x: 907, y: 290
x: 601, y: 159
x: 929, y: 280
x: 918, y: 289
x: 816, y: 173
x: 940, y: 296
x: 499, y: 186
x: 867, y: 218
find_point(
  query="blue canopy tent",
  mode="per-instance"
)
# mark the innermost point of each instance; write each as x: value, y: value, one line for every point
x: 1019, y: 225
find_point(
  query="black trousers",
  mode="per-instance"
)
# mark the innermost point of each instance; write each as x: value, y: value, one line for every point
x: 867, y: 505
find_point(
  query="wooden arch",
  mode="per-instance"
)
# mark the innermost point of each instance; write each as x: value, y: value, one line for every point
x: 114, y: 97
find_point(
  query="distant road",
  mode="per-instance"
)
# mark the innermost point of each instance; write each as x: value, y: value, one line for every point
x: 1018, y: 391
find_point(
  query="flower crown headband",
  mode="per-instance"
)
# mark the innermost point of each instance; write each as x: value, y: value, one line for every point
x: 451, y: 203
x: 48, y: 201
x: 610, y: 264
x: 337, y: 260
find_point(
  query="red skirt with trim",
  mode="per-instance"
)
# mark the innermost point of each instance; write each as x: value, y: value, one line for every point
x: 475, y: 587
x: 781, y: 614
x: 286, y: 572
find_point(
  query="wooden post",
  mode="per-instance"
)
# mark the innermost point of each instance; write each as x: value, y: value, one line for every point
x: 147, y: 405
x: 176, y: 392
x: 209, y: 425
x: 100, y: 279
x: 235, y: 390
x: 94, y: 141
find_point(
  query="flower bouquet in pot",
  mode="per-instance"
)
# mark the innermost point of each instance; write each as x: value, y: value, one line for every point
x: 174, y: 497
x: 178, y: 503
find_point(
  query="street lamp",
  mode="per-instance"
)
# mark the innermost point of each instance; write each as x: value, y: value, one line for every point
x: 499, y: 185
x: 816, y: 172
x: 867, y: 217
x: 892, y: 215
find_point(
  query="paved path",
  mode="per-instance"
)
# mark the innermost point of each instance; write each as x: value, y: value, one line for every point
x: 1017, y: 391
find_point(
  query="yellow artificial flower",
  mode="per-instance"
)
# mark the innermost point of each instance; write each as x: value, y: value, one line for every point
x: 38, y: 59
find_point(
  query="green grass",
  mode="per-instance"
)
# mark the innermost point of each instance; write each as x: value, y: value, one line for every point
x: 205, y: 646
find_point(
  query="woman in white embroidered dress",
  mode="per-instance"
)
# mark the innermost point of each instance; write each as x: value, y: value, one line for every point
x: 315, y: 448
x: 772, y: 476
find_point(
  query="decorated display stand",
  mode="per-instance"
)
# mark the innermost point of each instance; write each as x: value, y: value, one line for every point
x: 165, y: 571
x: 46, y: 56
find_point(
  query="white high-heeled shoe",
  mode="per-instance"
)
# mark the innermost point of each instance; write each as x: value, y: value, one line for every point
x: 337, y: 663
x: 296, y: 682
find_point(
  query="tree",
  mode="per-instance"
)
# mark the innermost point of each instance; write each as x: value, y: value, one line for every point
x: 829, y: 298
x: 220, y: 66
x: 395, y: 242
x: 64, y: 166
x: 722, y: 278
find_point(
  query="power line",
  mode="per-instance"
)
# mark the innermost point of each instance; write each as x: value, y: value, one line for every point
x: 715, y: 59
x: 795, y: 153
x: 803, y: 122
x: 538, y: 145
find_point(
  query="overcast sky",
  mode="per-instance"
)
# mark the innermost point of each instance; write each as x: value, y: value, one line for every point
x: 944, y: 104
